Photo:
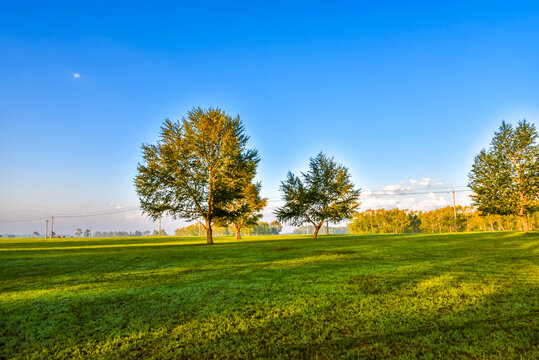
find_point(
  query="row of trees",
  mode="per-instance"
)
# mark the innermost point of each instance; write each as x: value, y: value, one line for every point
x: 441, y: 220
x: 128, y: 233
x: 309, y: 229
x: 201, y: 168
x: 260, y: 228
x: 79, y: 232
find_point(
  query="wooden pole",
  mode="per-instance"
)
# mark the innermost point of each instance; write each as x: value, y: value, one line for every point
x: 46, y: 228
x: 52, y: 226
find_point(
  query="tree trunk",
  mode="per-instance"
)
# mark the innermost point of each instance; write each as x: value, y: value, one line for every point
x: 524, y: 224
x: 316, y: 228
x: 238, y: 234
x: 209, y: 237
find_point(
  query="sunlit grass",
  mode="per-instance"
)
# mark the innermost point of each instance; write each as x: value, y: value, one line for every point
x: 396, y: 296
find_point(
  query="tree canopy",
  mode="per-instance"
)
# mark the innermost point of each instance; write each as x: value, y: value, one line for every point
x: 505, y: 178
x: 441, y: 220
x: 325, y: 192
x: 197, y: 169
x: 245, y: 211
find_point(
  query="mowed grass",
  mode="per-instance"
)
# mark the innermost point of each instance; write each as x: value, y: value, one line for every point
x: 444, y: 296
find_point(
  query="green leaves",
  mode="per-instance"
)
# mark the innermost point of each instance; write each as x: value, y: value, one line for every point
x: 505, y: 178
x: 326, y: 192
x: 198, y: 168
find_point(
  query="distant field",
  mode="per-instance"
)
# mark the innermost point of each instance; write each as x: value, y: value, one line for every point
x: 382, y: 296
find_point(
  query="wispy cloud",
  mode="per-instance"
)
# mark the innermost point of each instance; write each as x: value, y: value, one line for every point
x: 76, y: 75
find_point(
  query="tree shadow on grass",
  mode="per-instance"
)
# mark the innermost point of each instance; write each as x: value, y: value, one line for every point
x: 344, y: 326
x: 322, y: 303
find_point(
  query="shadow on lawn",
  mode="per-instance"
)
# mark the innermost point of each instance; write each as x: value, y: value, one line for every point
x: 165, y: 264
x: 318, y: 330
x: 344, y: 301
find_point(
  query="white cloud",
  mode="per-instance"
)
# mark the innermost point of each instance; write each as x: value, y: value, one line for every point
x: 394, y: 196
x: 416, y: 202
x: 425, y: 182
x: 76, y: 75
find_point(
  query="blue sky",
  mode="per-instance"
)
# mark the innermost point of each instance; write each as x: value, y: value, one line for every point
x: 394, y: 91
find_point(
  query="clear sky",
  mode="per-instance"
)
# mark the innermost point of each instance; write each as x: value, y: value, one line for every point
x: 403, y: 93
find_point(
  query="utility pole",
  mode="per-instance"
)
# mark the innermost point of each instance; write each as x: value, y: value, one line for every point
x: 159, y: 225
x: 455, y: 210
x: 46, y: 228
x: 52, y: 226
x: 199, y: 223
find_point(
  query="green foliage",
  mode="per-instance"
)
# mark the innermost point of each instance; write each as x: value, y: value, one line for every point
x: 264, y: 228
x: 245, y: 211
x: 472, y: 296
x: 326, y: 192
x: 120, y: 233
x: 382, y: 221
x: 198, y: 168
x: 260, y: 228
x: 308, y: 229
x: 442, y: 220
x: 191, y: 230
x: 505, y: 178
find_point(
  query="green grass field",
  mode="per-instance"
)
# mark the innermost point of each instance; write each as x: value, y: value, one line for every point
x: 445, y: 296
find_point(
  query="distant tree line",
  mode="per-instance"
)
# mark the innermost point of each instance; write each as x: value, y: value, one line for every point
x: 260, y: 228
x: 398, y: 221
x: 127, y: 233
x: 309, y: 229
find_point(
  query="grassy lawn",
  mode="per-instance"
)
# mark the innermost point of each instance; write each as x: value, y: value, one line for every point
x: 399, y: 296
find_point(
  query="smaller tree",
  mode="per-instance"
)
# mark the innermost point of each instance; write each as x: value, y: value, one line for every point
x: 275, y: 227
x: 87, y: 232
x: 325, y: 192
x: 245, y: 211
x: 78, y: 232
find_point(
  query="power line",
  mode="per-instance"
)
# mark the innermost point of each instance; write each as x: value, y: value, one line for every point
x: 119, y: 211
x: 75, y: 215
x: 372, y: 194
x: 41, y: 218
x: 402, y: 193
x: 412, y: 193
x: 427, y: 189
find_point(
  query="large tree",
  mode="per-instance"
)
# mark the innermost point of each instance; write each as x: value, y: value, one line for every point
x: 325, y: 192
x: 505, y: 178
x: 198, y: 168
